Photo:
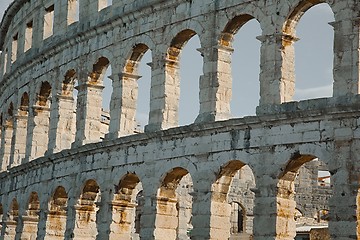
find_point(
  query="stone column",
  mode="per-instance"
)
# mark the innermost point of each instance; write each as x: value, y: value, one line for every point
x: 273, y: 212
x: 5, y: 152
x: 148, y: 216
x: 215, y: 84
x: 30, y: 226
x: 43, y: 213
x: 211, y: 218
x: 123, y: 105
x: 37, y: 132
x: 88, y: 114
x: 123, y: 216
x: 165, y: 93
x: 18, y: 147
x: 277, y: 75
x: 346, y: 57
x: 71, y: 218
x: 344, y: 204
x: 104, y: 215
x: 62, y: 124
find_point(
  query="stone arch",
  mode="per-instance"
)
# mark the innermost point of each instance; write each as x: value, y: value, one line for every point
x: 231, y: 28
x: 24, y: 104
x: 231, y: 59
x: 12, y: 220
x: 297, y: 12
x: 291, y: 55
x: 133, y: 60
x: 172, y: 70
x: 39, y: 123
x: 56, y: 218
x: 44, y: 94
x: 286, y: 201
x: 130, y: 86
x: 69, y: 82
x: 169, y: 222
x: 124, y: 207
x: 31, y: 217
x: 220, y: 189
x: 86, y: 209
x: 178, y: 42
x: 98, y: 70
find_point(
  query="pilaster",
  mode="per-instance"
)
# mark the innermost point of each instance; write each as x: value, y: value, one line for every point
x: 88, y: 114
x: 164, y: 95
x: 62, y: 124
x: 123, y: 105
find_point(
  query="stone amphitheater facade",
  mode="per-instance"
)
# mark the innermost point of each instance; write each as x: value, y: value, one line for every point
x: 66, y: 174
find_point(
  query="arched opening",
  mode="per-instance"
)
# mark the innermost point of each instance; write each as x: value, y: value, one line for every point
x: 124, y: 208
x: 67, y: 111
x: 191, y: 68
x: 8, y: 137
x: 31, y: 217
x: 232, y: 186
x: 240, y: 68
x: 97, y: 117
x: 184, y: 99
x: 144, y: 83
x: 56, y: 218
x: 313, y: 59
x: 86, y: 209
x: 174, y: 204
x: 40, y: 125
x: 12, y: 220
x: 237, y: 219
x: 136, y: 91
x: 300, y: 176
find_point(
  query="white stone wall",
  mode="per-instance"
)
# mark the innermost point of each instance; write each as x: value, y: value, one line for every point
x: 61, y: 149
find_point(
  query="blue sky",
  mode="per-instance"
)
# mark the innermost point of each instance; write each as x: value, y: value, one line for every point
x: 313, y: 61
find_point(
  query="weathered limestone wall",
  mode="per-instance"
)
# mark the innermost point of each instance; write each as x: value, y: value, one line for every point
x: 68, y: 171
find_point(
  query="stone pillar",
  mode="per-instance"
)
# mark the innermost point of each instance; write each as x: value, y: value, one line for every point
x: 346, y: 57
x: 344, y: 208
x: 5, y: 153
x: 211, y: 218
x: 85, y: 221
x: 123, y: 105
x: 18, y: 147
x: 166, y: 221
x: 10, y: 231
x: 30, y: 226
x: 273, y: 210
x: 215, y: 84
x: 104, y: 215
x: 164, y: 96
x: 148, y: 216
x: 37, y: 132
x: 88, y: 114
x: 43, y: 213
x: 123, y: 216
x: 56, y: 225
x: 62, y: 124
x: 277, y: 75
x: 70, y: 220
